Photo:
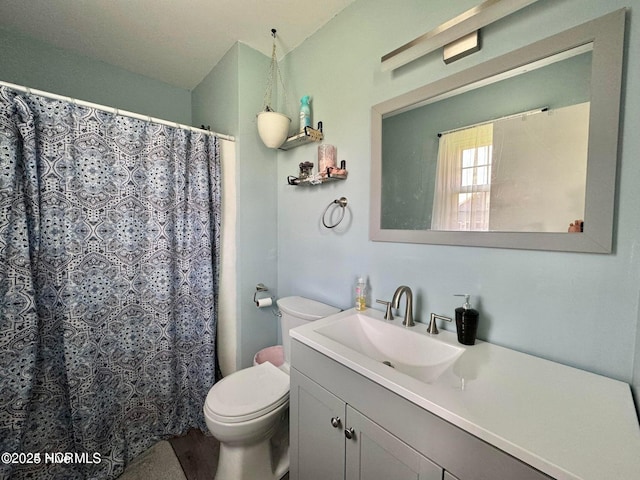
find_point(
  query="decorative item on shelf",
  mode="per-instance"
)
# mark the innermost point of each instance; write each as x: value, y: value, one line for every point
x: 305, y: 113
x: 306, y: 170
x: 273, y: 127
x: 338, y: 173
x: 306, y: 178
x: 327, y: 155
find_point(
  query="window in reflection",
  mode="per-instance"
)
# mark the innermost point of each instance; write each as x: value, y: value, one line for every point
x: 463, y: 180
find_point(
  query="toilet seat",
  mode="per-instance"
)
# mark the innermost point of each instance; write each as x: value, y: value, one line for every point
x: 247, y: 394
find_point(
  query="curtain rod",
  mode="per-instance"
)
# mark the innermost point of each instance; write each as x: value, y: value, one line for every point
x: 507, y: 117
x: 116, y: 111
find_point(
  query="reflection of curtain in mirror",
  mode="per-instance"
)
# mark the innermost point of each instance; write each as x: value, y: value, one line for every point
x: 463, y: 179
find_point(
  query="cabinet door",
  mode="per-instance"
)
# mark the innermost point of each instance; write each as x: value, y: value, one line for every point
x: 317, y: 431
x: 374, y: 454
x: 448, y: 476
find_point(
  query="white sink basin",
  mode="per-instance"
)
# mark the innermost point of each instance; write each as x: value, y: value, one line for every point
x: 407, y: 350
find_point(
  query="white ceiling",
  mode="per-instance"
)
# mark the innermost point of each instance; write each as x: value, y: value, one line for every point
x: 175, y: 41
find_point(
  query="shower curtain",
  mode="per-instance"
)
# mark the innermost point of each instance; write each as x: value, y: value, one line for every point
x: 109, y: 254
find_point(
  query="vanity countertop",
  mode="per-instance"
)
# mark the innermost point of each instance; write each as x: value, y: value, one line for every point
x: 566, y: 422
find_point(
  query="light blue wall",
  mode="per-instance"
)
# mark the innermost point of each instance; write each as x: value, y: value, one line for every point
x: 578, y: 309
x: 228, y: 99
x: 24, y: 61
x: 214, y: 102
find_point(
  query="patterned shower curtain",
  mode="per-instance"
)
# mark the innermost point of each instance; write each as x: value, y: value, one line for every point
x: 109, y: 252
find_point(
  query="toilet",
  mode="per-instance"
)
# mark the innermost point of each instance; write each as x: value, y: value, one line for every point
x: 248, y: 411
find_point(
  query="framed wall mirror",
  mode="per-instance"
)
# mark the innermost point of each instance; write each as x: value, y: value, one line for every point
x: 517, y: 152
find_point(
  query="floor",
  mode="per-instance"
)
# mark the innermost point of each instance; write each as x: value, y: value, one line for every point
x: 193, y: 456
x: 157, y: 463
x: 197, y: 454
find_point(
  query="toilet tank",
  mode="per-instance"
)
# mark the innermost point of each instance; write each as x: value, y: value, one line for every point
x: 296, y: 311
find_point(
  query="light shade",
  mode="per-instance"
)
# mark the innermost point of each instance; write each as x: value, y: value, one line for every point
x: 273, y: 128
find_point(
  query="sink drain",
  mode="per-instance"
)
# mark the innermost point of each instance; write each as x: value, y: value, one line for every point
x: 388, y: 364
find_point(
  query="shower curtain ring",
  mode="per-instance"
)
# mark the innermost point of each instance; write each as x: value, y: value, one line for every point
x: 342, y: 202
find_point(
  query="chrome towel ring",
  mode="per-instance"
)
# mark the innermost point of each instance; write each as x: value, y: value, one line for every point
x: 342, y: 202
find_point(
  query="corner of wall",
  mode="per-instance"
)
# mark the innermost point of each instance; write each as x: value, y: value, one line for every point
x: 228, y: 99
x: 214, y: 102
x: 257, y: 222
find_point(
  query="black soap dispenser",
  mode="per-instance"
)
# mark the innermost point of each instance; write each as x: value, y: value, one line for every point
x: 466, y: 322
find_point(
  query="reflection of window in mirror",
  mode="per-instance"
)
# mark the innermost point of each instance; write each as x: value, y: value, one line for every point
x: 523, y: 172
x: 463, y: 180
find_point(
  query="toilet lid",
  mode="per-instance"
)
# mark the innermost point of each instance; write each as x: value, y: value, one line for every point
x: 248, y: 393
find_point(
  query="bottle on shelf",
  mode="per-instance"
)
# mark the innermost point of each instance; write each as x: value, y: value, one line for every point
x: 305, y: 113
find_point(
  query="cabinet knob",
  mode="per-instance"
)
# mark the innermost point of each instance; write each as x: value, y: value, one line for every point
x: 349, y: 433
x: 335, y: 422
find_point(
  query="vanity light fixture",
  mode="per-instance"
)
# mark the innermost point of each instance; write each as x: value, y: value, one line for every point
x: 459, y: 36
x: 462, y: 47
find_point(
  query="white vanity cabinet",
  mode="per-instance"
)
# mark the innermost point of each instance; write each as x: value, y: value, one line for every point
x: 373, y: 453
x: 392, y: 438
x: 334, y: 441
x: 316, y: 419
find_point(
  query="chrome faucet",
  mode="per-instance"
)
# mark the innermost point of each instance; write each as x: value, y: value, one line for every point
x: 395, y: 302
x: 388, y: 314
x: 432, y: 329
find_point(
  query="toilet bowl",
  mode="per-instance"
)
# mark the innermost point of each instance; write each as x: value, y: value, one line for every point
x: 248, y: 411
x: 243, y: 412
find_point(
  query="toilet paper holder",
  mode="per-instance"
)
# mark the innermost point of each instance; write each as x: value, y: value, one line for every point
x: 262, y: 302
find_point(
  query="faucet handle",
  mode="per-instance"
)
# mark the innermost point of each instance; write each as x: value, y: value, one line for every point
x: 432, y: 329
x: 388, y: 315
